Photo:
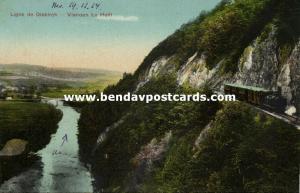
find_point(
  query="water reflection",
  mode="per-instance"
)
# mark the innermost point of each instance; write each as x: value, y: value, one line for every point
x: 59, y: 169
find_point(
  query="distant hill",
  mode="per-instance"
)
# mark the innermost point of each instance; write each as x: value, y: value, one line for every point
x: 27, y: 75
x: 64, y: 73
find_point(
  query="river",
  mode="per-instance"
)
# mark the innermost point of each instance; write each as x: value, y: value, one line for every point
x: 58, y: 168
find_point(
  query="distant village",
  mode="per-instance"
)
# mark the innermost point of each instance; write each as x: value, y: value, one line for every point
x: 23, y: 93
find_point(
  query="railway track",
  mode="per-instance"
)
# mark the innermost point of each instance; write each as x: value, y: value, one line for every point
x: 293, y: 120
x: 263, y: 100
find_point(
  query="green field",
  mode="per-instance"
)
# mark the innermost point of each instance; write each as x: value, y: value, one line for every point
x: 30, y: 121
x: 4, y: 73
x: 33, y: 122
x: 88, y: 87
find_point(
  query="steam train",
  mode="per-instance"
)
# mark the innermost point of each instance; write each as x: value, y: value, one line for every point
x: 258, y: 96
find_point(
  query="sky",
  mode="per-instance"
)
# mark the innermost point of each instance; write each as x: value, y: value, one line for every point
x: 118, y: 42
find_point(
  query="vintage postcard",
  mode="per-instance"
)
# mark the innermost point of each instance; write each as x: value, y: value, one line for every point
x: 150, y: 96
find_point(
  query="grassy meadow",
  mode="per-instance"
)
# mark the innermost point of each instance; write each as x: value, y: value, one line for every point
x: 29, y: 121
x: 33, y: 122
x: 90, y: 86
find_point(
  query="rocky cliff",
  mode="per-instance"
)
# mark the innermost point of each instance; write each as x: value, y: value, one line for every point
x: 259, y: 66
x: 204, y: 147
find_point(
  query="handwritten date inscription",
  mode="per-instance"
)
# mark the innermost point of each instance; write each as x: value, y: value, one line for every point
x: 77, y: 5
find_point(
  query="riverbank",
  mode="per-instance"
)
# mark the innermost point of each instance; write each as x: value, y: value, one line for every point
x: 56, y: 167
x: 28, y: 121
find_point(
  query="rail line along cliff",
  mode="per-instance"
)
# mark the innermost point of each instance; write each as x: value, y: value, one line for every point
x: 209, y: 146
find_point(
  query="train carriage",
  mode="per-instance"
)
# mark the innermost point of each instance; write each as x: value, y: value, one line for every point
x: 265, y: 99
x: 253, y: 95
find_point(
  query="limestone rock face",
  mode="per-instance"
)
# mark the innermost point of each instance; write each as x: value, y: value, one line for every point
x: 195, y: 71
x: 258, y: 66
x: 289, y: 79
x: 14, y: 147
x: 143, y: 162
